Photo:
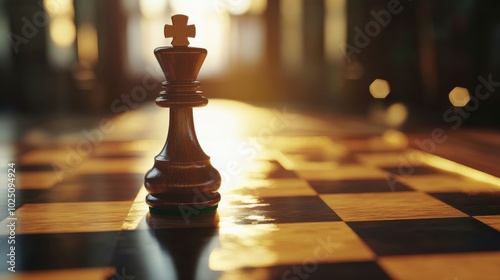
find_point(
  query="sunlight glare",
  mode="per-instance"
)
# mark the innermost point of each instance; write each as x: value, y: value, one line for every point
x: 152, y: 8
x: 240, y: 244
x: 455, y: 167
x: 238, y: 7
x: 59, y: 7
x: 212, y: 32
x: 62, y: 31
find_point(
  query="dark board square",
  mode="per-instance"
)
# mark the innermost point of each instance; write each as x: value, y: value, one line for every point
x: 283, y: 210
x: 474, y: 204
x: 412, y: 170
x: 358, y: 186
x: 178, y: 253
x: 34, y: 167
x: 312, y: 271
x: 98, y: 187
x: 427, y: 236
x: 61, y: 251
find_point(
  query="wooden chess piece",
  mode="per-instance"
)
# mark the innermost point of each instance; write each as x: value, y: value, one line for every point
x: 182, y: 180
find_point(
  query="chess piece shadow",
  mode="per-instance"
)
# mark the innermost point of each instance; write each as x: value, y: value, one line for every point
x: 167, y: 247
x: 187, y: 243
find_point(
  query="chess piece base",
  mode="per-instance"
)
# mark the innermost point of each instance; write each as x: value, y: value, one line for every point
x: 182, y: 179
x: 182, y: 187
x: 183, y: 211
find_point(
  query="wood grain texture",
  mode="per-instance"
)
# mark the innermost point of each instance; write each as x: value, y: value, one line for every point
x: 63, y: 274
x: 443, y: 266
x: 334, y: 219
x: 283, y: 244
x: 388, y: 206
x: 182, y: 178
x: 69, y: 217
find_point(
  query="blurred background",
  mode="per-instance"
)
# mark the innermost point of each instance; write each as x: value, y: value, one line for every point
x: 89, y: 57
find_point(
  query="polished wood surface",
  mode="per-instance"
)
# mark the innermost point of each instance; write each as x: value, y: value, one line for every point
x: 182, y: 179
x: 303, y: 194
x: 179, y: 31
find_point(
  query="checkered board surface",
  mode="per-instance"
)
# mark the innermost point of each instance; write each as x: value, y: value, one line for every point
x: 293, y: 207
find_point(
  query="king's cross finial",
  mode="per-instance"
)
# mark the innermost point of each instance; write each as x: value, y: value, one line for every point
x: 180, y: 31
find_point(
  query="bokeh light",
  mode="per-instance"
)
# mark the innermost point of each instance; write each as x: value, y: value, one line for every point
x: 87, y: 43
x: 459, y: 96
x: 395, y: 138
x: 62, y: 31
x: 380, y: 88
x: 59, y: 7
x: 396, y: 115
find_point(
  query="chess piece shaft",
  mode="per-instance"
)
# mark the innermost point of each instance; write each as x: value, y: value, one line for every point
x: 182, y: 179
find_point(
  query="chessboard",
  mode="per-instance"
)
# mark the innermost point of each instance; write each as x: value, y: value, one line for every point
x: 304, y: 196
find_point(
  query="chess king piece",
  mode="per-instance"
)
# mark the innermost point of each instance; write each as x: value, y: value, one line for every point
x: 182, y: 180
